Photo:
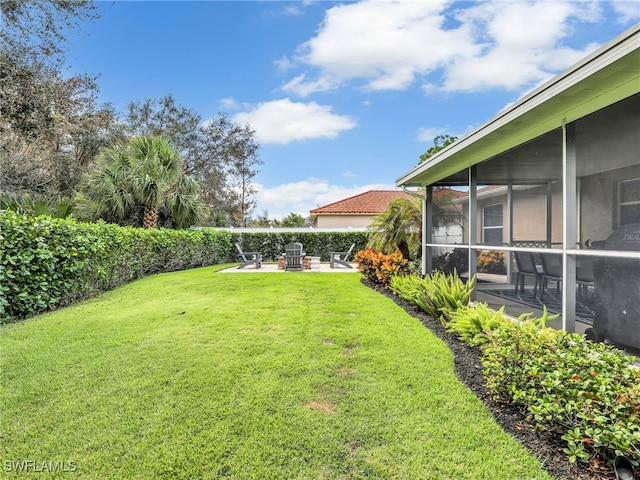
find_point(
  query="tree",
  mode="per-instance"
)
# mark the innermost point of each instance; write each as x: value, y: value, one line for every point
x: 399, y: 227
x: 57, y: 119
x: 144, y: 180
x: 292, y: 220
x: 35, y: 29
x: 220, y: 154
x: 241, y: 173
x: 440, y: 142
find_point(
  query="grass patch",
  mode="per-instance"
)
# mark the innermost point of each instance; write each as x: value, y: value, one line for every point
x: 266, y: 376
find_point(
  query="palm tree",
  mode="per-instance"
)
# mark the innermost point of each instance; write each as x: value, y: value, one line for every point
x: 397, y: 228
x: 400, y: 226
x: 146, y: 174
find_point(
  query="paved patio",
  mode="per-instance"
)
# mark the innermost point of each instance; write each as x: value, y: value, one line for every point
x: 273, y: 268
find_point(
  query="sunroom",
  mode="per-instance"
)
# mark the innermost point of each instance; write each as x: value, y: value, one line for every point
x: 552, y: 204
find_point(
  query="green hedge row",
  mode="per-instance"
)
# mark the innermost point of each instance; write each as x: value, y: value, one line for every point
x: 316, y: 244
x: 46, y: 263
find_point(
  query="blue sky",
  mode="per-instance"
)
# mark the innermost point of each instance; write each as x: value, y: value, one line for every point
x: 343, y: 96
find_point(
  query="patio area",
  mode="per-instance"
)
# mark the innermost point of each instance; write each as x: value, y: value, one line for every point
x: 273, y: 268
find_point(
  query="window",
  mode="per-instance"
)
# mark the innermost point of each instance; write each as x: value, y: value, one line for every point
x: 629, y: 201
x: 492, y: 224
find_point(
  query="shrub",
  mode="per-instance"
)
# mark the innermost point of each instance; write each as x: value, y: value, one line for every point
x: 46, y: 263
x: 449, y: 262
x: 491, y: 261
x: 436, y: 294
x: 475, y: 324
x: 317, y: 244
x: 589, y: 393
x: 380, y: 268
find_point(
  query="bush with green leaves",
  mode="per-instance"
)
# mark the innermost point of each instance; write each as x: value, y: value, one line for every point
x: 437, y: 294
x: 474, y: 324
x: 316, y: 244
x: 589, y: 393
x: 46, y: 263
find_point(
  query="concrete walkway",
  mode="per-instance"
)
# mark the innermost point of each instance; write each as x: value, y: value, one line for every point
x: 273, y: 268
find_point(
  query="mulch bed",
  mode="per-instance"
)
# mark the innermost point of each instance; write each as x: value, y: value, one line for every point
x: 546, y: 446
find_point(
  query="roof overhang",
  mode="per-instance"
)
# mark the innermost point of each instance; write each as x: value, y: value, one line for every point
x: 610, y: 74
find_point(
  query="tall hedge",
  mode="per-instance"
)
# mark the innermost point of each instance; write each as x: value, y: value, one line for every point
x: 45, y: 263
x: 316, y: 244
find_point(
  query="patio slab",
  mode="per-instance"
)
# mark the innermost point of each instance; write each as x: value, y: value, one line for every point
x: 273, y: 268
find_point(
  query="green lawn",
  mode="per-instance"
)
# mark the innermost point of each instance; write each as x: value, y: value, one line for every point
x: 200, y: 374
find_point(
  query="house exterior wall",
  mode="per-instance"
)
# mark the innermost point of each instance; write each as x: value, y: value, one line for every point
x: 529, y: 224
x: 580, y: 132
x: 343, y: 221
x: 598, y: 209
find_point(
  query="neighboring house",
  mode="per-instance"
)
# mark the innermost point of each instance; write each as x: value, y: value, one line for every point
x: 356, y: 211
x: 561, y: 167
x: 359, y: 210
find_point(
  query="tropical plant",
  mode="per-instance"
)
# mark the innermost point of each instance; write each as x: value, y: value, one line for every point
x: 399, y: 227
x: 144, y: 180
x: 491, y: 261
x: 437, y: 294
x: 379, y: 267
x: 63, y: 207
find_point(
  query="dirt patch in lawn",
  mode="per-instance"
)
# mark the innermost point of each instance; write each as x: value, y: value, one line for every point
x: 546, y: 446
x: 323, y: 406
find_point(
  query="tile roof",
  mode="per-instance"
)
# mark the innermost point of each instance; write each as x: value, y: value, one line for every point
x: 372, y: 202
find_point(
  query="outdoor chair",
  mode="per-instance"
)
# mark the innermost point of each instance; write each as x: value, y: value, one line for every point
x: 551, y: 270
x: 293, y: 256
x: 584, y: 274
x: 341, y: 258
x: 527, y: 267
x: 249, y: 258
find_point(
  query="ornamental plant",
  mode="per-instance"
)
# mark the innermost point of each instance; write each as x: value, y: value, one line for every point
x: 586, y: 392
x: 380, y: 268
x: 437, y: 294
x: 475, y: 324
x: 491, y: 261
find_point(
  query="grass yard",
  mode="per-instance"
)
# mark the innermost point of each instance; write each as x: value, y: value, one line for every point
x: 199, y: 374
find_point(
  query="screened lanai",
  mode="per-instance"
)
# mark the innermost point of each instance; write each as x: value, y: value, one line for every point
x: 552, y: 204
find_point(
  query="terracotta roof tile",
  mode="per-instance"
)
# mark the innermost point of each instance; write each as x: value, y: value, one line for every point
x: 372, y: 202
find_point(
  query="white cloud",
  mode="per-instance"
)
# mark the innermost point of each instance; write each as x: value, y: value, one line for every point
x: 228, y: 103
x: 516, y: 51
x: 427, y: 134
x: 388, y: 45
x: 349, y: 174
x: 628, y: 10
x: 384, y: 43
x: 283, y: 121
x: 284, y: 64
x: 303, y: 196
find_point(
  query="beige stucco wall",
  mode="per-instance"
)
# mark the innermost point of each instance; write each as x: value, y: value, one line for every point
x: 343, y: 221
x: 529, y: 215
x: 598, y: 209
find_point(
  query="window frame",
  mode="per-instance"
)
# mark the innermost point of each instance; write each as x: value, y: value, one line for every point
x: 620, y: 203
x: 493, y: 227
